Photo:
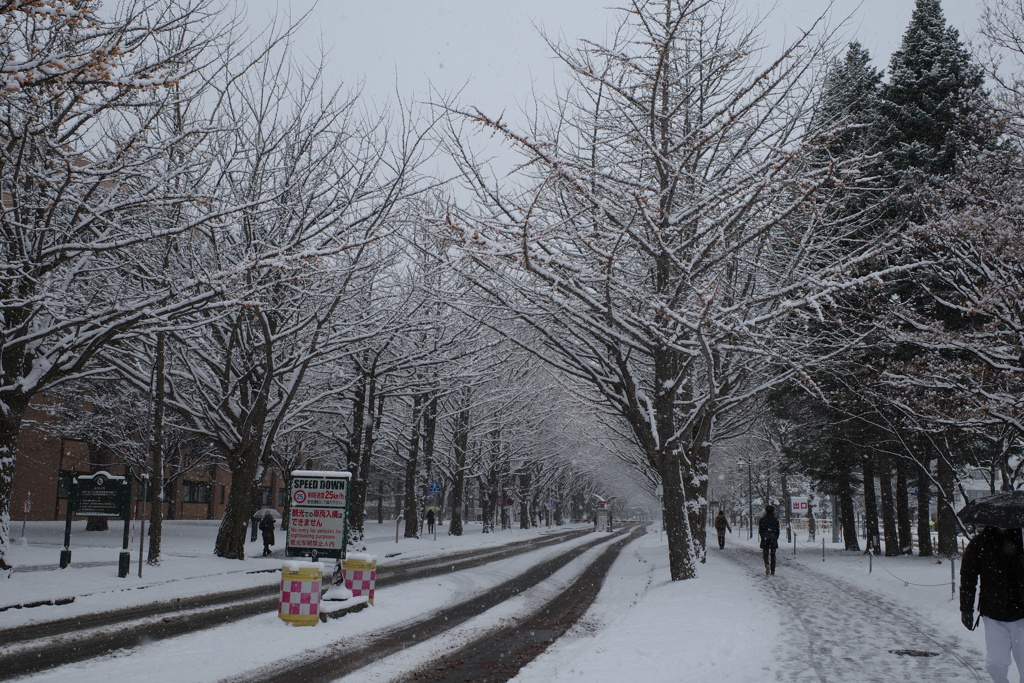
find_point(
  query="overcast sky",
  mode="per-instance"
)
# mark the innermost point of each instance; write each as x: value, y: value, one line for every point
x: 492, y: 49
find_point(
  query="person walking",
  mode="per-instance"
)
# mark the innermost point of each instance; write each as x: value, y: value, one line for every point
x: 768, y: 530
x: 721, y: 525
x: 267, y: 527
x: 996, y: 556
x: 430, y: 521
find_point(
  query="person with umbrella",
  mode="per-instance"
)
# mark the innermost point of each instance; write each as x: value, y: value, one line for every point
x: 267, y: 527
x: 996, y: 557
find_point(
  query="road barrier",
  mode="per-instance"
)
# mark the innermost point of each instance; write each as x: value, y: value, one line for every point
x: 360, y: 570
x: 300, y: 593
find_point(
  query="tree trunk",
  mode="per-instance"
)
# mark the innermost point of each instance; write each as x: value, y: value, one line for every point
x: 892, y: 543
x: 380, y: 501
x: 360, y: 478
x: 156, y: 480
x: 903, y: 526
x: 412, y: 520
x: 231, y: 535
x: 487, y: 502
x: 559, y: 513
x: 506, y: 512
x: 677, y: 527
x: 924, y: 527
x: 870, y: 506
x: 460, y: 444
x: 849, y: 522
x: 429, y: 439
x: 524, y: 499
x: 10, y: 424
x: 946, y: 521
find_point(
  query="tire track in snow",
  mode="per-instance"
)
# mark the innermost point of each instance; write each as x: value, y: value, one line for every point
x: 845, y: 632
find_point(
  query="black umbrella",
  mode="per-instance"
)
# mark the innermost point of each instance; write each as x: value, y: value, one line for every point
x: 1004, y: 510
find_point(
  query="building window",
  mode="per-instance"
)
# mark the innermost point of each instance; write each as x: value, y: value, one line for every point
x: 265, y: 497
x: 282, y: 497
x: 223, y: 488
x: 195, y: 492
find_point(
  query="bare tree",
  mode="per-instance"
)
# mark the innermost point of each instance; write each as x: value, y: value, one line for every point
x: 80, y: 160
x: 662, y: 230
x: 316, y: 182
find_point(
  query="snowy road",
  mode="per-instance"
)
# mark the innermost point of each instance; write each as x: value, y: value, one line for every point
x: 842, y: 632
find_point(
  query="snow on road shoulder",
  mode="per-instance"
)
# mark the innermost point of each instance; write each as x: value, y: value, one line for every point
x: 644, y: 627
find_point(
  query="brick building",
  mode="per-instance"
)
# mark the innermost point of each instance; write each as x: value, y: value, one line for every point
x: 43, y: 470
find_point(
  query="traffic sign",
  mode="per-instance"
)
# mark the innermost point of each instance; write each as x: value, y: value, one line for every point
x: 318, y: 516
x: 435, y: 487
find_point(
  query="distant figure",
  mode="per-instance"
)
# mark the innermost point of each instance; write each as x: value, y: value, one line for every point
x: 996, y: 556
x: 267, y: 527
x: 721, y: 526
x: 768, y: 530
x: 811, y: 525
x: 430, y: 521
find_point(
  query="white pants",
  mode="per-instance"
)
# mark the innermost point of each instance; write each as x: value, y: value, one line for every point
x: 1001, y: 639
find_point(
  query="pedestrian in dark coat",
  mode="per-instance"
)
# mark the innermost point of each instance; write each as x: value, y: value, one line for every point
x: 430, y: 521
x: 721, y: 525
x: 768, y: 530
x: 267, y: 527
x: 996, y: 556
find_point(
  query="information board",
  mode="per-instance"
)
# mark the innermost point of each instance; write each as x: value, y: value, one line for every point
x: 318, y: 518
x: 101, y: 495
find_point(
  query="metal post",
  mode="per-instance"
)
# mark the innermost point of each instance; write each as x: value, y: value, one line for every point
x: 870, y: 562
x: 124, y: 560
x: 823, y: 550
x: 952, y: 576
x: 835, y: 519
x: 65, y: 555
x: 794, y: 545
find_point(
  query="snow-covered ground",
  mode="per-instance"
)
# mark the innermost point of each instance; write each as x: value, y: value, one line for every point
x: 731, y: 624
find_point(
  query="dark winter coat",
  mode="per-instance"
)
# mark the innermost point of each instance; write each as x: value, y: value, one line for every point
x: 768, y: 530
x: 267, y: 527
x: 997, y: 558
x: 721, y: 525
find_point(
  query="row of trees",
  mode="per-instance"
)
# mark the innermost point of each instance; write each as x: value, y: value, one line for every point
x: 700, y: 237
x: 926, y: 393
x: 216, y: 256
x: 708, y: 237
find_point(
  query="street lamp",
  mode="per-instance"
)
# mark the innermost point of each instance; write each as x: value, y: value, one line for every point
x: 750, y: 494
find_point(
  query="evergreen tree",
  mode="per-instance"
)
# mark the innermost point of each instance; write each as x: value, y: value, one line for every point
x: 932, y: 110
x: 931, y: 101
x: 920, y: 124
x: 846, y: 128
x: 833, y: 445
